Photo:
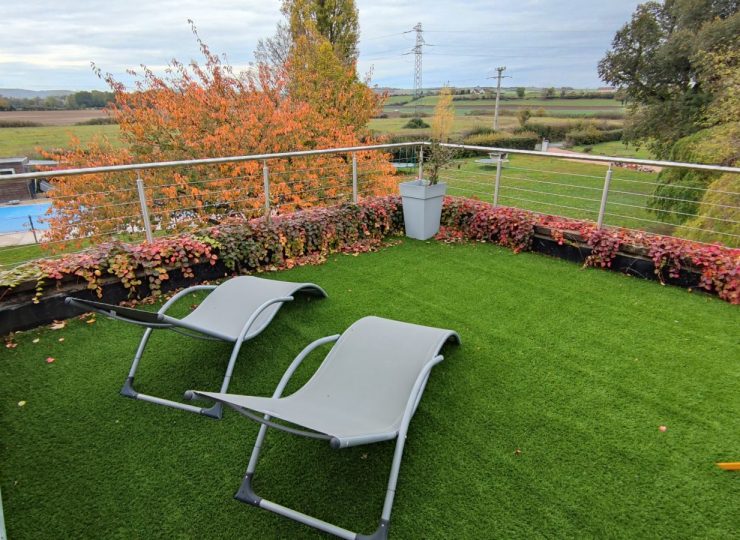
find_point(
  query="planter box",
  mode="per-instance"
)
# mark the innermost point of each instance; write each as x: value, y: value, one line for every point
x: 18, y: 312
x: 422, y: 208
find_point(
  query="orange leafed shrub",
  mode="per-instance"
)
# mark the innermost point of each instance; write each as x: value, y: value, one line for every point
x: 203, y: 110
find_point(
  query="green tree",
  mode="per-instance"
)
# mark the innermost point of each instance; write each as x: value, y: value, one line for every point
x: 655, y: 58
x: 523, y: 115
x: 335, y: 20
x: 520, y: 92
x: 548, y: 93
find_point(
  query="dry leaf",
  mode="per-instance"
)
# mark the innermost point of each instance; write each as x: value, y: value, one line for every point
x: 90, y: 321
x: 58, y: 325
x: 518, y: 452
x: 21, y: 403
x: 663, y: 428
x: 50, y: 360
x: 37, y: 340
x: 61, y: 339
x: 11, y: 344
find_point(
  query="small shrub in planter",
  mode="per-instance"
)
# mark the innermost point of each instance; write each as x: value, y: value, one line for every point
x: 423, y: 197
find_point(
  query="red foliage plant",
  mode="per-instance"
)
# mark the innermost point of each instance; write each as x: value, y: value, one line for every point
x: 243, y: 246
x: 719, y: 267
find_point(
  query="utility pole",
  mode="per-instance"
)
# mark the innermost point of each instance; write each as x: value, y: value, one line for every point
x: 417, y: 64
x: 499, y: 76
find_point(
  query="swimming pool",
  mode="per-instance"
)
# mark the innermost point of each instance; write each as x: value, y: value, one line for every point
x: 15, y: 218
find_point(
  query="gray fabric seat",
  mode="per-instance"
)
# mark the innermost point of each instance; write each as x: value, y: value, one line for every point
x: 226, y: 310
x: 236, y: 311
x: 366, y: 390
x: 363, y: 384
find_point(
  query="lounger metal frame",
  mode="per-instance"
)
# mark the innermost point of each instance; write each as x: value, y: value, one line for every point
x: 166, y: 322
x: 247, y: 495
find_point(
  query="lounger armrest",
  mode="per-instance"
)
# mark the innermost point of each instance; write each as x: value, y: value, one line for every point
x: 257, y: 312
x: 298, y: 360
x: 182, y: 293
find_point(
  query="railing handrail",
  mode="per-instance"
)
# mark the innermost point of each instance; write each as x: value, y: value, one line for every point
x: 602, y: 159
x: 204, y: 161
x: 350, y: 149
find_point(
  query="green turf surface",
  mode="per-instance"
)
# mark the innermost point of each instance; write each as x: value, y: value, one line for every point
x: 575, y: 368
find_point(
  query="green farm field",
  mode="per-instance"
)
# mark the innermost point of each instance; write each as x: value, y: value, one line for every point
x: 26, y: 141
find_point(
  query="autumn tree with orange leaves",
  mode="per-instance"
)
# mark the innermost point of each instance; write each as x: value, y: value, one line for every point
x: 206, y: 109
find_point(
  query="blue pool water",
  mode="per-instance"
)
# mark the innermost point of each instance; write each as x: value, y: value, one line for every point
x: 14, y: 218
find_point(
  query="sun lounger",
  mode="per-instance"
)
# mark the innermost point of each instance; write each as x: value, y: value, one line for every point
x: 365, y: 391
x: 235, y: 311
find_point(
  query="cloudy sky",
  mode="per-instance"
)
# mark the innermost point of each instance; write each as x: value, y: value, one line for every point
x: 49, y: 44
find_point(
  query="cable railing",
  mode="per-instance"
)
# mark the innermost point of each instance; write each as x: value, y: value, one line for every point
x: 146, y: 201
x: 568, y: 185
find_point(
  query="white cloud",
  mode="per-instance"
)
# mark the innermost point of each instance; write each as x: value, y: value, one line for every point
x: 50, y: 44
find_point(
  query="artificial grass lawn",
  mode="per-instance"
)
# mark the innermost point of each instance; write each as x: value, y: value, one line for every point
x: 576, y: 369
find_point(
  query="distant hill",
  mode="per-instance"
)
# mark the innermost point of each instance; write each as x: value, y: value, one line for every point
x: 26, y: 94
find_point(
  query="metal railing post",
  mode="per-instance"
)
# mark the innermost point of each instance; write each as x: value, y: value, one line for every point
x: 33, y: 230
x: 497, y: 184
x: 354, y: 177
x: 421, y: 163
x: 144, y: 208
x: 266, y: 181
x: 604, y: 196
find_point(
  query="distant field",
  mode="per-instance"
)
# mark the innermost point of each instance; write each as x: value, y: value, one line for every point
x: 53, y: 118
x: 463, y: 123
x: 25, y: 141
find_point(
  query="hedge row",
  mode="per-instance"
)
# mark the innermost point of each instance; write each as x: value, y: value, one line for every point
x: 476, y: 220
x: 592, y: 136
x: 243, y: 246
x: 525, y: 140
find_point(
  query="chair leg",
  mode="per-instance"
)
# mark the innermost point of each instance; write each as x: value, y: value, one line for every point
x: 230, y: 366
x: 128, y: 390
x: 246, y: 494
x: 128, y: 387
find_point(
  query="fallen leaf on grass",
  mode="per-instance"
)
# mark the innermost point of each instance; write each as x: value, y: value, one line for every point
x: 36, y: 340
x: 518, y: 452
x: 663, y: 428
x: 21, y: 403
x: 11, y: 344
x: 61, y: 339
x: 58, y: 325
x: 90, y: 321
x: 49, y: 360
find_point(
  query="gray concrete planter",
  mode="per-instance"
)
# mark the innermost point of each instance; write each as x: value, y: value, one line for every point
x: 422, y: 208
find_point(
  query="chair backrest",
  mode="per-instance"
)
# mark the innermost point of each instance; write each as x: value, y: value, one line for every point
x: 373, y: 367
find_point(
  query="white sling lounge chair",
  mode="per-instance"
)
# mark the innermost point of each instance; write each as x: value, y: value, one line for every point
x: 236, y: 311
x: 365, y: 391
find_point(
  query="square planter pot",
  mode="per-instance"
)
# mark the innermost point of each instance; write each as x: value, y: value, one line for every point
x: 422, y: 208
